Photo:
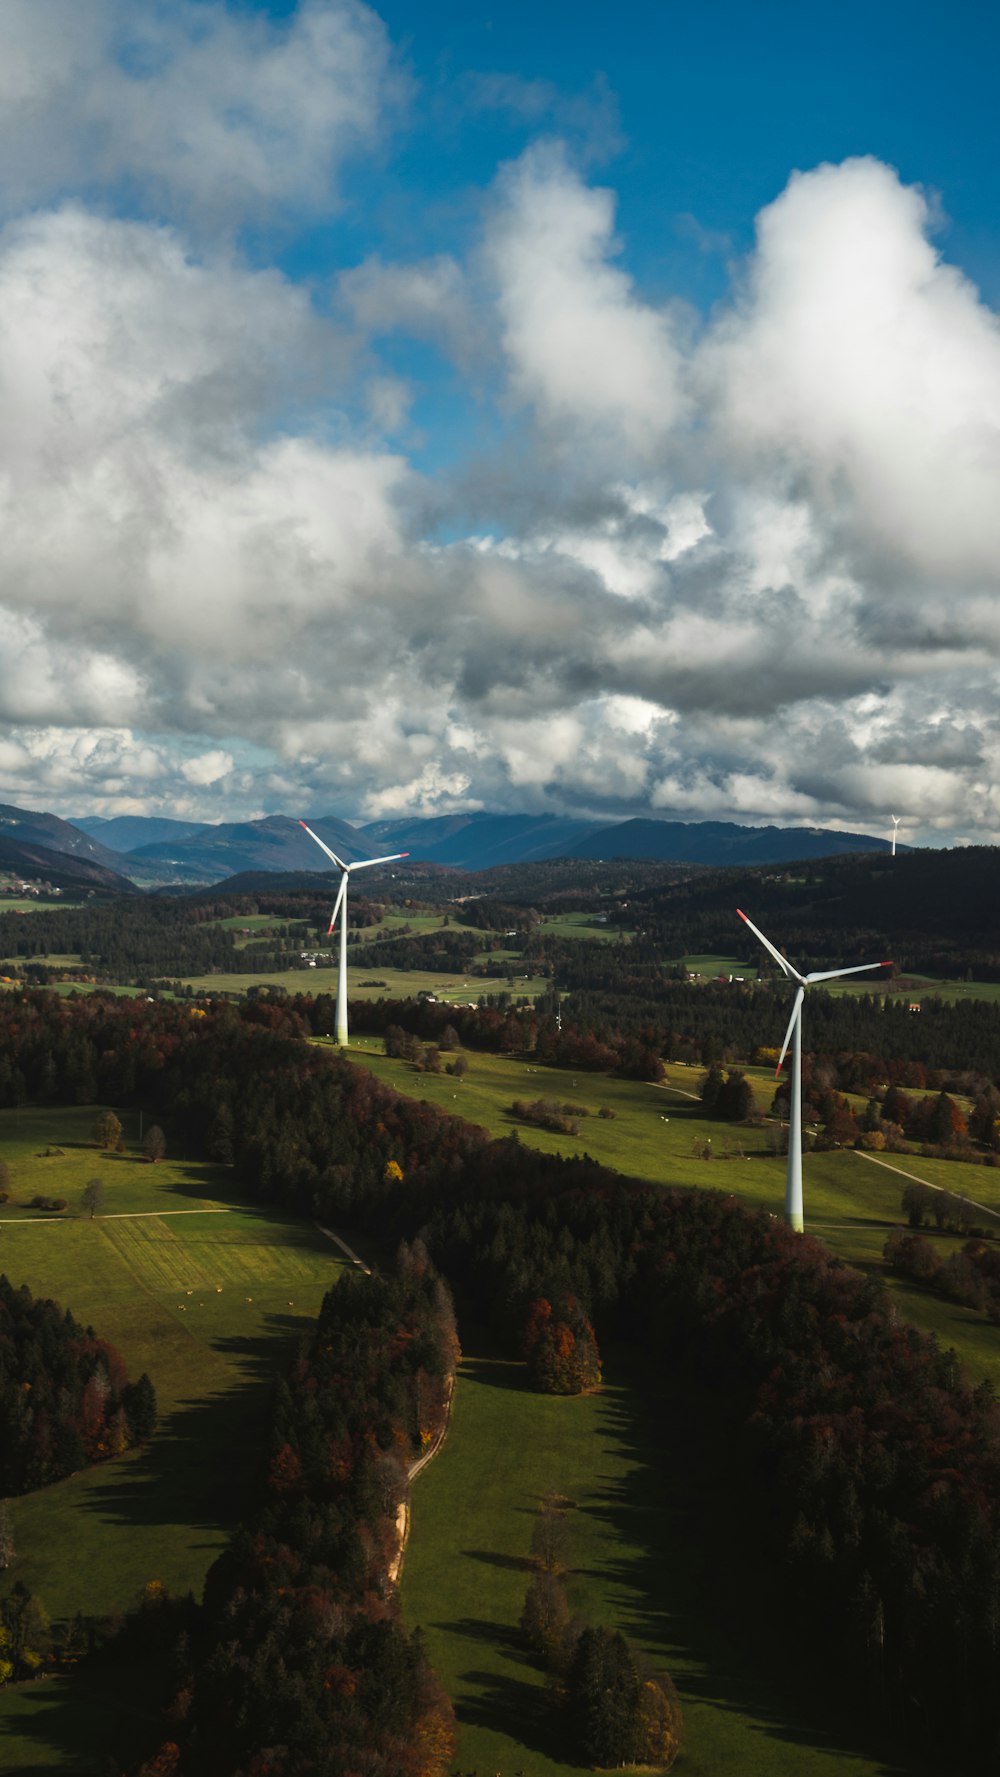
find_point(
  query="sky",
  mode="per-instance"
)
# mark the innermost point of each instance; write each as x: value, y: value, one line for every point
x: 424, y: 409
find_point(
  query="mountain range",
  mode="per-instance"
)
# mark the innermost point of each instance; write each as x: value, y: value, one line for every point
x: 148, y: 851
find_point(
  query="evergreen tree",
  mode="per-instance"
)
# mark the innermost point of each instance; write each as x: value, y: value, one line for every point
x: 605, y: 1698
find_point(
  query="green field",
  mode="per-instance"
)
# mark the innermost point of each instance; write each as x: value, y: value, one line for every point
x: 392, y: 984
x: 205, y: 1295
x: 659, y: 1133
x: 643, y: 1558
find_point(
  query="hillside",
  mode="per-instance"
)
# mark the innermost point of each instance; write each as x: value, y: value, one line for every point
x: 165, y: 852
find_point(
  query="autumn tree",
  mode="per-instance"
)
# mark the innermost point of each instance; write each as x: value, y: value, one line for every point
x: 550, y: 1539
x: 93, y: 1195
x: 107, y: 1131
x: 155, y: 1145
x: 545, y: 1617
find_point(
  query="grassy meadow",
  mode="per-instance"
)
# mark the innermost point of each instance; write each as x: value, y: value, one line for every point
x: 642, y: 1556
x: 205, y: 1295
x: 659, y: 1133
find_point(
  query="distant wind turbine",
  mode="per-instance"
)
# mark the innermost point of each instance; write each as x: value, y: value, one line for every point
x: 895, y: 819
x: 340, y: 906
x: 793, y: 1035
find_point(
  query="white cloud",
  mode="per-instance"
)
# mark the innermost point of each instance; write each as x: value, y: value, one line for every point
x: 220, y: 114
x: 715, y: 579
x: 861, y: 361
x: 584, y: 351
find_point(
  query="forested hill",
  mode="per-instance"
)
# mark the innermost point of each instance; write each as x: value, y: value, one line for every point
x: 933, y: 911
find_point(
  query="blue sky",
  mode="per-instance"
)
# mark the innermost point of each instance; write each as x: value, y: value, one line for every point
x: 415, y: 409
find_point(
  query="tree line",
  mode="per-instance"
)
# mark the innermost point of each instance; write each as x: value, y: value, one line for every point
x: 868, y: 1472
x: 65, y: 1397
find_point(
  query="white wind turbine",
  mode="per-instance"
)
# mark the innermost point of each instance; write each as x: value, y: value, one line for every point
x: 793, y: 1035
x: 895, y: 819
x: 340, y: 906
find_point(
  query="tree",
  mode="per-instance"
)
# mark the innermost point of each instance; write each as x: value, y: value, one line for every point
x: 545, y: 1617
x: 7, y: 1550
x: 155, y: 1145
x: 550, y: 1539
x: 139, y: 1402
x: 93, y: 1195
x: 605, y: 1696
x: 107, y: 1131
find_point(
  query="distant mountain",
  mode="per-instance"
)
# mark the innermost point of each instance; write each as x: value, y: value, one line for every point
x: 40, y: 863
x: 479, y: 841
x: 26, y: 827
x: 277, y: 843
x: 124, y: 832
x: 722, y: 842
x: 165, y: 853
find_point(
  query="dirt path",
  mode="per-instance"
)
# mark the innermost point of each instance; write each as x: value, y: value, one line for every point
x: 123, y: 1215
x: 898, y: 1170
x: 403, y: 1512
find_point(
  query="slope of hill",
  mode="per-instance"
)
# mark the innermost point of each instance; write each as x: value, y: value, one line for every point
x: 277, y: 843
x: 480, y: 841
x: 721, y: 842
x: 27, y: 827
x: 40, y: 863
x: 124, y: 832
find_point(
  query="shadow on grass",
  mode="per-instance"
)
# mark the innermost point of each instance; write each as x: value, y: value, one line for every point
x: 702, y: 1597
x: 85, y: 1724
x: 203, y: 1467
x: 513, y: 1563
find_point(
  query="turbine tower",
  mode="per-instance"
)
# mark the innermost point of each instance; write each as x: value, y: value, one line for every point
x: 793, y: 1035
x: 895, y: 819
x: 340, y: 906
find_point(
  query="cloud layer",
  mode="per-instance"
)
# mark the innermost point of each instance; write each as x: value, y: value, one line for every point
x: 739, y: 568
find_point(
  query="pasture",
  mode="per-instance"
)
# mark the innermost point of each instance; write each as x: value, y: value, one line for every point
x: 653, y: 1550
x: 371, y: 982
x: 205, y: 1295
x: 659, y: 1133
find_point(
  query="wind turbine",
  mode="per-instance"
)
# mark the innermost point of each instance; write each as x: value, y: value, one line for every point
x: 340, y: 906
x: 895, y: 819
x: 793, y: 1035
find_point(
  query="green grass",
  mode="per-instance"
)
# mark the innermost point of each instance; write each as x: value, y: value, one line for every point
x: 209, y: 1303
x: 712, y: 966
x: 584, y: 925
x: 850, y: 1202
x: 29, y: 904
x: 395, y: 984
x: 642, y: 1559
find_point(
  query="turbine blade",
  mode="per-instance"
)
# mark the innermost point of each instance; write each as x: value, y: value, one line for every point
x: 324, y: 847
x: 366, y: 863
x: 796, y: 1013
x: 341, y: 892
x: 834, y: 974
x: 782, y: 961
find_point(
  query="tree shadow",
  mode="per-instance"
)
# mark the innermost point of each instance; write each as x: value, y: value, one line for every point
x: 89, y: 1721
x: 513, y: 1563
x: 701, y: 1596
x: 190, y: 1472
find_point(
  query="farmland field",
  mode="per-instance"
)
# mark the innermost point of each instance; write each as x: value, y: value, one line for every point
x: 373, y: 982
x: 207, y: 1297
